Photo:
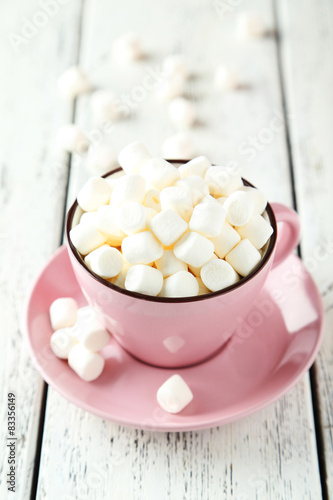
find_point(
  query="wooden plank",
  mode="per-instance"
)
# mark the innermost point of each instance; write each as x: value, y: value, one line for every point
x: 31, y: 201
x: 271, y: 455
x: 308, y: 79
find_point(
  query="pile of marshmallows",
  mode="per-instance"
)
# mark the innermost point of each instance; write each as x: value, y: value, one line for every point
x: 170, y: 232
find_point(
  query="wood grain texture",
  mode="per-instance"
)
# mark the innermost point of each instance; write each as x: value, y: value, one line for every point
x: 31, y: 201
x: 271, y: 455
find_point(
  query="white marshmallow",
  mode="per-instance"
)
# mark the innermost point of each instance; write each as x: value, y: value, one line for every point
x: 217, y: 274
x: 222, y: 200
x: 175, y: 65
x: 179, y: 200
x: 256, y: 230
x: 197, y: 166
x: 239, y: 207
x: 86, y: 364
x: 107, y: 223
x: 150, y: 214
x: 225, y: 78
x: 260, y: 200
x: 221, y: 182
x: 89, y: 218
x: 95, y: 192
x: 179, y: 146
x: 174, y: 394
x: 208, y: 218
x: 101, y: 159
x: 180, y: 284
x: 120, y: 279
x: 171, y: 88
x: 128, y: 47
x: 169, y: 264
x: 62, y: 341
x: 106, y: 261
x: 197, y: 270
x: 73, y: 82
x: 89, y: 331
x: 243, y: 257
x: 226, y: 240
x: 182, y: 112
x: 104, y: 106
x: 168, y: 226
x: 144, y: 279
x: 203, y: 290
x: 86, y: 237
x: 250, y: 25
x: 159, y: 173
x: 128, y: 188
x: 133, y: 156
x: 72, y: 139
x: 195, y: 186
x: 141, y: 248
x: 152, y: 199
x: 63, y: 313
x: 132, y: 217
x: 194, y: 249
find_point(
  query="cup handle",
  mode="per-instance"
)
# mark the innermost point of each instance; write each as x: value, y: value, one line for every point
x: 288, y: 234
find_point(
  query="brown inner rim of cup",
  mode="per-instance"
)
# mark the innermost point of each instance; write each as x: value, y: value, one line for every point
x: 256, y: 270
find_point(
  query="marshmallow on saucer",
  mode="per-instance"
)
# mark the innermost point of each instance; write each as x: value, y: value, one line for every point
x: 133, y: 156
x: 239, y: 207
x: 87, y: 365
x: 257, y: 230
x: 250, y: 25
x: 89, y: 331
x: 221, y: 182
x: 217, y: 274
x: 178, y: 199
x: 95, y: 192
x: 243, y: 257
x: 144, y: 279
x: 108, y: 224
x: 195, y: 186
x: 141, y: 248
x: 104, y: 105
x: 159, y: 173
x: 72, y: 139
x: 105, y: 261
x: 86, y: 237
x: 180, y: 284
x: 174, y: 394
x: 175, y: 65
x: 169, y: 264
x: 63, y: 313
x: 182, y: 112
x: 208, y: 218
x: 225, y: 78
x: 128, y: 188
x: 179, y: 146
x: 127, y: 48
x: 101, y: 159
x: 194, y: 249
x: 168, y: 226
x: 226, y: 240
x: 197, y: 166
x: 62, y: 341
x: 73, y: 82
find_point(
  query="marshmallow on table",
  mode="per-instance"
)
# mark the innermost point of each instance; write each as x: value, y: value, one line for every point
x: 180, y: 284
x: 87, y: 365
x: 221, y: 182
x: 141, y: 248
x: 225, y: 78
x: 133, y: 156
x: 95, y: 192
x: 217, y: 274
x: 195, y: 186
x: 171, y: 88
x: 104, y: 105
x: 101, y: 159
x: 159, y: 173
x: 208, y: 218
x: 226, y: 240
x: 72, y: 139
x: 194, y: 249
x: 62, y: 341
x: 169, y: 264
x: 86, y: 237
x: 107, y: 223
x: 63, y: 313
x: 73, y: 82
x: 197, y: 166
x: 168, y: 226
x: 128, y: 47
x: 132, y: 217
x: 260, y: 200
x: 175, y: 65
x: 257, y: 230
x: 179, y: 146
x: 182, y: 112
x: 203, y: 290
x: 239, y: 207
x: 174, y: 394
x: 89, y: 331
x: 152, y: 199
x: 178, y: 199
x: 243, y: 257
x: 105, y: 261
x: 250, y: 25
x: 144, y: 279
x: 128, y: 188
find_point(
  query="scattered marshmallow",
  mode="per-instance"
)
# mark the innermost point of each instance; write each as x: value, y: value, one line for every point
x: 62, y: 341
x: 104, y: 106
x: 208, y: 218
x: 168, y: 264
x: 72, y: 139
x: 179, y: 200
x: 133, y: 156
x: 128, y: 188
x: 87, y: 364
x: 243, y: 257
x: 226, y: 240
x: 89, y: 331
x: 159, y: 173
x: 225, y: 78
x: 105, y: 261
x: 239, y: 207
x: 152, y: 199
x: 182, y: 112
x: 95, y: 192
x: 197, y: 166
x: 195, y: 186
x: 141, y: 248
x: 168, y: 226
x: 171, y: 88
x: 144, y: 279
x: 250, y: 25
x: 180, y: 284
x: 73, y: 82
x: 194, y: 249
x: 174, y: 394
x: 175, y: 65
x: 107, y: 223
x: 86, y: 237
x: 260, y: 200
x: 257, y: 230
x: 101, y: 159
x: 127, y: 48
x: 179, y: 146
x: 63, y: 313
x: 221, y: 182
x: 218, y: 274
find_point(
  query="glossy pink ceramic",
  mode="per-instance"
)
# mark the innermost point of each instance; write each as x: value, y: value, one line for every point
x: 269, y: 352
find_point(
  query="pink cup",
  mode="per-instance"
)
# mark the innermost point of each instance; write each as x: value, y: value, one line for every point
x: 178, y: 332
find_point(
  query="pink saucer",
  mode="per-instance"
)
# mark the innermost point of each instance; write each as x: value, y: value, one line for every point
x: 269, y: 353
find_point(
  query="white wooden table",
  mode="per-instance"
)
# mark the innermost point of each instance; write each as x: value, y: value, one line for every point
x: 282, y: 452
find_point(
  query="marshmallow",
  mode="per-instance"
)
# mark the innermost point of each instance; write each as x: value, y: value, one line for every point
x: 120, y: 279
x: 174, y: 394
x: 256, y: 230
x: 194, y: 249
x: 182, y: 112
x: 132, y: 217
x: 243, y: 257
x: 197, y: 270
x: 89, y: 218
x: 89, y: 331
x: 141, y: 248
x: 101, y: 159
x: 71, y: 138
x: 239, y: 207
x: 179, y: 146
x: 169, y: 264
x: 197, y: 166
x: 168, y: 226
x: 260, y: 200
x: 106, y: 261
x: 150, y: 214
x: 250, y: 25
x: 171, y: 88
x: 73, y: 82
x: 86, y: 237
x: 86, y: 364
x: 133, y: 156
x: 63, y: 313
x: 128, y: 188
x: 208, y: 218
x: 222, y: 200
x: 179, y: 200
x: 175, y: 65
x: 180, y: 284
x: 221, y: 182
x: 107, y: 223
x: 225, y: 78
x: 144, y: 279
x: 95, y: 192
x: 62, y: 341
x: 104, y: 106
x: 195, y: 186
x: 159, y: 173
x: 152, y: 199
x: 127, y: 48
x: 202, y: 287
x: 217, y: 274
x: 226, y: 240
